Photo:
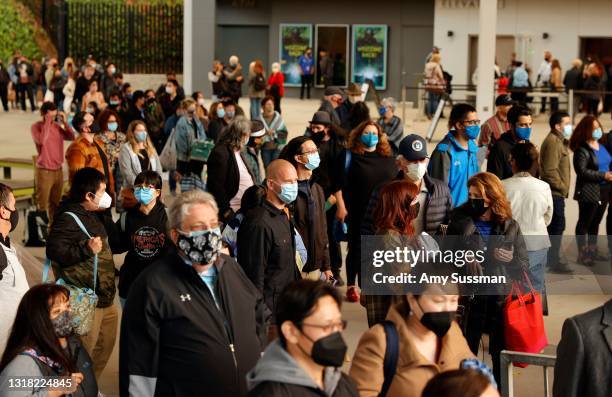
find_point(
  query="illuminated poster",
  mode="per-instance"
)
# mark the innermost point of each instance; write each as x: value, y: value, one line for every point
x: 294, y: 39
x: 369, y: 55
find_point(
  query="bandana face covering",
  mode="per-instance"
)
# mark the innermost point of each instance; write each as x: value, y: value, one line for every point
x: 201, y: 247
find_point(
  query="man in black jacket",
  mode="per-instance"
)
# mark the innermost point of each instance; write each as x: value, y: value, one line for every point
x: 192, y: 320
x: 498, y: 163
x: 434, y: 202
x: 266, y: 244
x: 584, y: 355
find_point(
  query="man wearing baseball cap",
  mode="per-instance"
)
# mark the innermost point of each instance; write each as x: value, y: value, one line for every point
x: 434, y: 205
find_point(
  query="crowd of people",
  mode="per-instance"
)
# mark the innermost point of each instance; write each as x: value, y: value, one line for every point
x: 232, y: 289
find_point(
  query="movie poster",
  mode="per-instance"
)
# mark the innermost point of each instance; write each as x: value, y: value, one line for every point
x: 369, y: 55
x: 294, y: 39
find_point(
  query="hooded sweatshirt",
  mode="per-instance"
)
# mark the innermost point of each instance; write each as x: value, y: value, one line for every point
x: 278, y: 374
x: 144, y: 237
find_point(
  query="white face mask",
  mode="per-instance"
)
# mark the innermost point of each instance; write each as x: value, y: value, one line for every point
x: 354, y: 99
x: 201, y: 101
x: 105, y: 202
x: 416, y: 171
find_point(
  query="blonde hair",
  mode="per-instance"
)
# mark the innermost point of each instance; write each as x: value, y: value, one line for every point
x: 436, y: 58
x: 185, y: 103
x: 577, y: 63
x: 131, y: 138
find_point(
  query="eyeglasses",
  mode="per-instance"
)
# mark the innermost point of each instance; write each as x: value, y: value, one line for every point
x: 471, y: 122
x: 310, y: 152
x: 329, y: 328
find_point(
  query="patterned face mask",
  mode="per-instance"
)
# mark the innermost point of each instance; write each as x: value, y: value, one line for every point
x: 201, y: 247
x: 62, y: 324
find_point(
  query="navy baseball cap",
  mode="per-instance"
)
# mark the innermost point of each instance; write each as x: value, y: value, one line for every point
x: 413, y: 148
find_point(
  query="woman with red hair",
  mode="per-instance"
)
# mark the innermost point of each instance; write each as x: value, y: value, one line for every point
x: 484, y: 224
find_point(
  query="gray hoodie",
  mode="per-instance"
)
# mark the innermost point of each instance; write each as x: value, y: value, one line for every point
x: 277, y: 365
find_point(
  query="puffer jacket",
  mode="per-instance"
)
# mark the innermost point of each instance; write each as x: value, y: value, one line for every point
x: 72, y: 260
x: 437, y: 207
x: 588, y: 176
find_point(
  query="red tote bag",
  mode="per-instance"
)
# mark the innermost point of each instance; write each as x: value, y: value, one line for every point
x: 523, y: 321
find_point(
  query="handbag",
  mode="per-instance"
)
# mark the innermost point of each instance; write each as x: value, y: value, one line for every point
x: 83, y: 300
x: 127, y: 198
x: 523, y: 321
x: 167, y: 158
x: 201, y: 149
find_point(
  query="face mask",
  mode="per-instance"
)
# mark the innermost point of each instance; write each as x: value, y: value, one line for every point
x: 141, y: 136
x: 369, y: 140
x: 144, y: 195
x: 114, y: 103
x: 230, y: 115
x: 477, y: 207
x: 416, y: 171
x: 567, y: 131
x: 105, y: 202
x: 523, y: 133
x: 191, y: 112
x: 220, y: 113
x: 13, y: 218
x: 112, y: 70
x: 90, y: 110
x: 129, y: 96
x: 112, y: 126
x: 317, y: 137
x: 62, y: 324
x: 169, y: 90
x: 472, y: 131
x: 415, y: 209
x: 597, y: 134
x: 201, y: 247
x: 201, y: 101
x: 437, y: 322
x: 313, y: 161
x: 328, y: 351
x: 288, y: 193
x: 382, y: 111
x: 354, y: 99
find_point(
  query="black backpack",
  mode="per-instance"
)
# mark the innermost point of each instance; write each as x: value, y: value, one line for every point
x: 36, y: 232
x: 259, y: 83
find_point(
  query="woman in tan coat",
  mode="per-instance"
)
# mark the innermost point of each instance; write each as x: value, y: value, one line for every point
x: 556, y: 84
x: 430, y: 342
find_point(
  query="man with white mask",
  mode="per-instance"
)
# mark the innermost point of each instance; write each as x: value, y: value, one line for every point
x: 434, y: 199
x: 79, y: 249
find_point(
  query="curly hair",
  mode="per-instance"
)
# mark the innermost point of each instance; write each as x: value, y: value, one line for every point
x: 356, y: 146
x: 491, y: 187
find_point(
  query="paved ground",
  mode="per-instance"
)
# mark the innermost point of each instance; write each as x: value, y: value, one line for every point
x: 15, y: 141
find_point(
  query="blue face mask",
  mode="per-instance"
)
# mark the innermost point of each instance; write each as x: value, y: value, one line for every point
x: 369, y: 140
x: 220, y: 113
x: 112, y: 126
x: 230, y: 115
x: 567, y: 131
x: 114, y: 103
x: 472, y: 131
x: 140, y: 136
x: 313, y: 161
x: 523, y: 133
x: 144, y: 195
x: 382, y: 111
x: 597, y: 134
x: 288, y: 193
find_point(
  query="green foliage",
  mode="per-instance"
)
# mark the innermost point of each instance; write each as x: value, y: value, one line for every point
x: 16, y: 33
x: 139, y: 2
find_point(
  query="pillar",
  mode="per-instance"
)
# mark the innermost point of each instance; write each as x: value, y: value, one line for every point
x: 485, y: 90
x: 199, y: 25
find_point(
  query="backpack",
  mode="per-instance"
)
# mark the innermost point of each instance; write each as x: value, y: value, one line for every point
x: 36, y: 231
x: 259, y: 83
x: 391, y: 356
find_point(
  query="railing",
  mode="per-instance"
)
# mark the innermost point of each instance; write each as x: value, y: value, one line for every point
x: 507, y: 358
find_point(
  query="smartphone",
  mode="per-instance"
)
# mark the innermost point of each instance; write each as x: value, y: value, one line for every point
x: 507, y: 245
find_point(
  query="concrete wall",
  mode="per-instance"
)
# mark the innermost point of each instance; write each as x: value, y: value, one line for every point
x: 408, y: 50
x: 564, y: 20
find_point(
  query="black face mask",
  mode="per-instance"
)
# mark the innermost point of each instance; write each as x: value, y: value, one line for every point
x: 415, y: 209
x: 14, y: 218
x: 317, y: 137
x: 477, y: 207
x: 437, y: 322
x: 329, y: 351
